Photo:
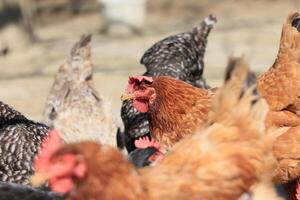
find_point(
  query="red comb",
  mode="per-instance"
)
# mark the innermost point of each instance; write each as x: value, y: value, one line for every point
x: 140, y: 79
x: 133, y: 79
x: 145, y: 142
x: 51, y: 144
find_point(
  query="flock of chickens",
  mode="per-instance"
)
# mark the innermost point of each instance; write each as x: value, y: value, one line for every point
x: 184, y: 139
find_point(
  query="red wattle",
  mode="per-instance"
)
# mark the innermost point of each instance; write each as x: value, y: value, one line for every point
x: 141, y: 106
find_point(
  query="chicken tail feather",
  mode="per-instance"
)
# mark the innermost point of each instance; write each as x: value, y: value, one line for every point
x: 203, y: 29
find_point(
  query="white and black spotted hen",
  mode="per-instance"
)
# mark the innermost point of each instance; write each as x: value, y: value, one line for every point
x: 179, y: 56
x: 20, y: 140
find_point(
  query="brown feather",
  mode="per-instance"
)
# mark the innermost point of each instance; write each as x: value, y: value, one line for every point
x: 110, y: 176
x: 179, y: 109
x: 280, y: 85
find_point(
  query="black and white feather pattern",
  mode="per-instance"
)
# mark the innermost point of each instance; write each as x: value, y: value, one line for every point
x: 20, y: 140
x: 179, y: 56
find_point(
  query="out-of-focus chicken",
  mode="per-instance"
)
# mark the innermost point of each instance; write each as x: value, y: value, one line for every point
x: 224, y: 161
x: 10, y: 191
x: 280, y: 85
x: 20, y: 140
x: 179, y: 56
x: 74, y: 107
x: 234, y: 62
x: 176, y: 109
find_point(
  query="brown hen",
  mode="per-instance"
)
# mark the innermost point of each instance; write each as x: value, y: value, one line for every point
x: 176, y: 109
x: 280, y: 86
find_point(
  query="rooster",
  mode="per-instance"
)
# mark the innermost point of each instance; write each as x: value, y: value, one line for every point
x: 20, y: 140
x: 179, y: 56
x: 223, y: 161
x: 74, y: 106
x: 280, y: 86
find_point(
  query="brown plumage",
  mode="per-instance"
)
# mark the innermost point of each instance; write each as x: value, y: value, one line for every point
x: 74, y: 106
x: 175, y: 108
x: 286, y: 150
x: 278, y: 119
x: 108, y: 171
x: 280, y: 85
x: 223, y: 161
x: 178, y: 110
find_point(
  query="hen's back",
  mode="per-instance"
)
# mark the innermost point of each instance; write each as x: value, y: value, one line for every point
x: 20, y: 140
x: 180, y: 56
x: 74, y: 107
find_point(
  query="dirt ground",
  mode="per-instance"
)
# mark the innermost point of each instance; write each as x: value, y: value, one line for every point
x: 244, y: 27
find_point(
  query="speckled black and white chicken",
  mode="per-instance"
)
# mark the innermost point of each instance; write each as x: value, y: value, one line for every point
x: 74, y: 107
x: 20, y: 140
x: 179, y: 56
x: 11, y: 191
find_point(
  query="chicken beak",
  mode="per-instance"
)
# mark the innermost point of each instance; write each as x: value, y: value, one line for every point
x: 38, y: 179
x: 126, y: 97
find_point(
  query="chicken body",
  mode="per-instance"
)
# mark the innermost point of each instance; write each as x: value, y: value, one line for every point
x: 20, y: 140
x: 179, y: 56
x: 74, y: 107
x: 280, y: 86
x: 178, y: 110
x: 10, y: 191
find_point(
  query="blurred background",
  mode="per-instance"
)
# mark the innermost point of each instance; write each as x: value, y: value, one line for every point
x: 36, y: 37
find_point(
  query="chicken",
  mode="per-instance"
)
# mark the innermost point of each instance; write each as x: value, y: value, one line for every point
x: 147, y: 154
x: 223, y: 161
x: 280, y: 86
x: 176, y: 109
x: 286, y: 150
x: 179, y: 56
x: 10, y: 191
x: 74, y: 107
x: 20, y: 140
